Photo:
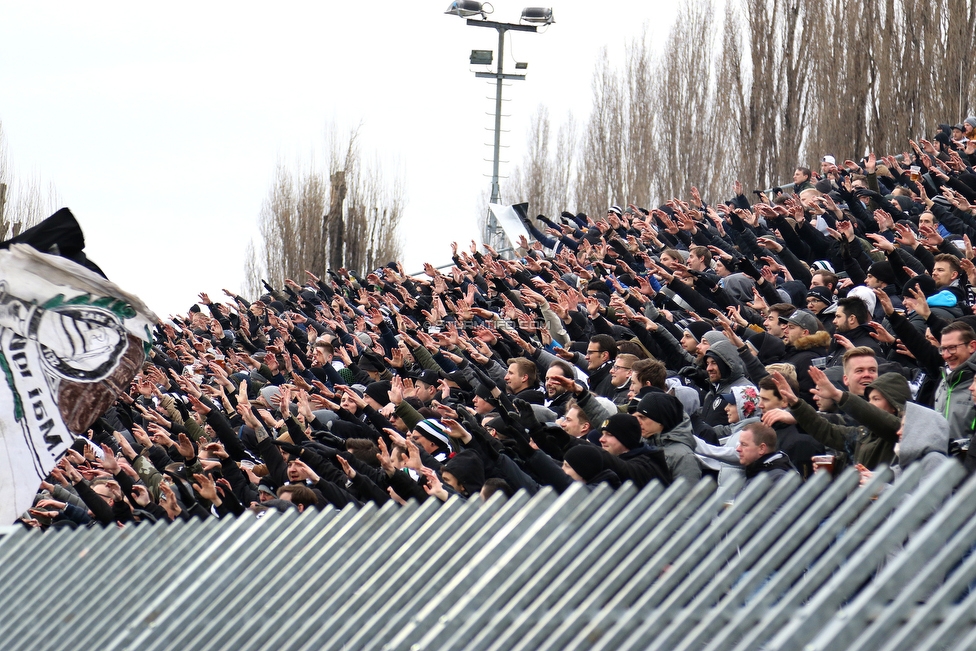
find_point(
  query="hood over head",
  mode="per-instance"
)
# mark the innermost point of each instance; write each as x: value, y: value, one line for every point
x: 724, y: 350
x: 739, y: 286
x: 924, y: 430
x: 894, y: 387
x: 747, y: 402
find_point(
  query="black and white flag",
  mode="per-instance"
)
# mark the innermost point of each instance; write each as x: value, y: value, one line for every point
x: 70, y: 342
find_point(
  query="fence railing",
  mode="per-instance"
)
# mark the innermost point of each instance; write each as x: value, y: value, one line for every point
x: 816, y: 565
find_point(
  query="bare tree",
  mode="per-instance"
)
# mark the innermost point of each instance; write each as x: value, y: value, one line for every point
x: 684, y: 133
x: 642, y: 153
x: 600, y: 176
x: 784, y: 83
x: 544, y: 178
x: 24, y: 201
x: 346, y: 217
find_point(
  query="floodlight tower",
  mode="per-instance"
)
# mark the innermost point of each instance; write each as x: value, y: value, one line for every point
x: 532, y: 17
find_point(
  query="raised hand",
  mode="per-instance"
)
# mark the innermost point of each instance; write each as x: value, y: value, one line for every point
x: 433, y: 486
x: 824, y: 389
x: 108, y: 460
x: 921, y: 303
x: 346, y: 468
x: 206, y: 488
x: 784, y: 388
x: 880, y: 333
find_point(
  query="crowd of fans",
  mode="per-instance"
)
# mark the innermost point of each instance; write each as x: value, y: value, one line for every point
x: 797, y: 332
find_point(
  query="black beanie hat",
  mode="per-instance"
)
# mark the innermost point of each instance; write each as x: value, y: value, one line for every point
x: 484, y: 393
x: 468, y: 469
x: 883, y: 272
x: 379, y: 391
x: 923, y: 282
x: 625, y: 429
x: 662, y: 408
x: 370, y: 361
x: 586, y: 460
x: 698, y: 329
x: 769, y: 348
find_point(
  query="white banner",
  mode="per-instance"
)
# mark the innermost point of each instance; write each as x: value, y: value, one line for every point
x: 509, y: 220
x: 70, y: 342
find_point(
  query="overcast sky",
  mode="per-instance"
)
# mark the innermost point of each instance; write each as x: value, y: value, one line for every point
x: 161, y: 124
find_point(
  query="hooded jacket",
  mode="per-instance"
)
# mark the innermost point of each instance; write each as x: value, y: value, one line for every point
x: 873, y: 442
x: 798, y: 446
x: 713, y: 407
x: 777, y: 464
x: 924, y: 439
x: 679, y: 450
x: 953, y: 401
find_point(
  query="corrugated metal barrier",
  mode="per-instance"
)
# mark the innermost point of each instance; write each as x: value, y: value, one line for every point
x: 820, y: 565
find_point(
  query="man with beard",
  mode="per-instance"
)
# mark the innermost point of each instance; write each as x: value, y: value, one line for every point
x: 850, y: 322
x: 805, y: 344
x: 725, y: 371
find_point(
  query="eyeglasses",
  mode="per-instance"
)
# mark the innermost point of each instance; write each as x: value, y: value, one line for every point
x: 621, y: 368
x: 593, y: 352
x: 950, y: 349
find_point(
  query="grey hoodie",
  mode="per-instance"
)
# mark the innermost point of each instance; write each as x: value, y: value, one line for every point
x: 953, y: 401
x: 724, y: 350
x: 924, y: 439
x: 713, y: 408
x: 723, y: 457
x: 739, y: 286
x: 679, y: 450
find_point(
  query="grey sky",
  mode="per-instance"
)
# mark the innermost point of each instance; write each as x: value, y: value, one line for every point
x: 161, y: 124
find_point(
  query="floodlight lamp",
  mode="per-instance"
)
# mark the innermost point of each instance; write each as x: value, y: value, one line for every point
x: 481, y: 57
x: 538, y: 15
x: 466, y: 9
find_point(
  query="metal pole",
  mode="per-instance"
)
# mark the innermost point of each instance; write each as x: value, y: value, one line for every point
x: 499, y: 71
x: 491, y: 226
